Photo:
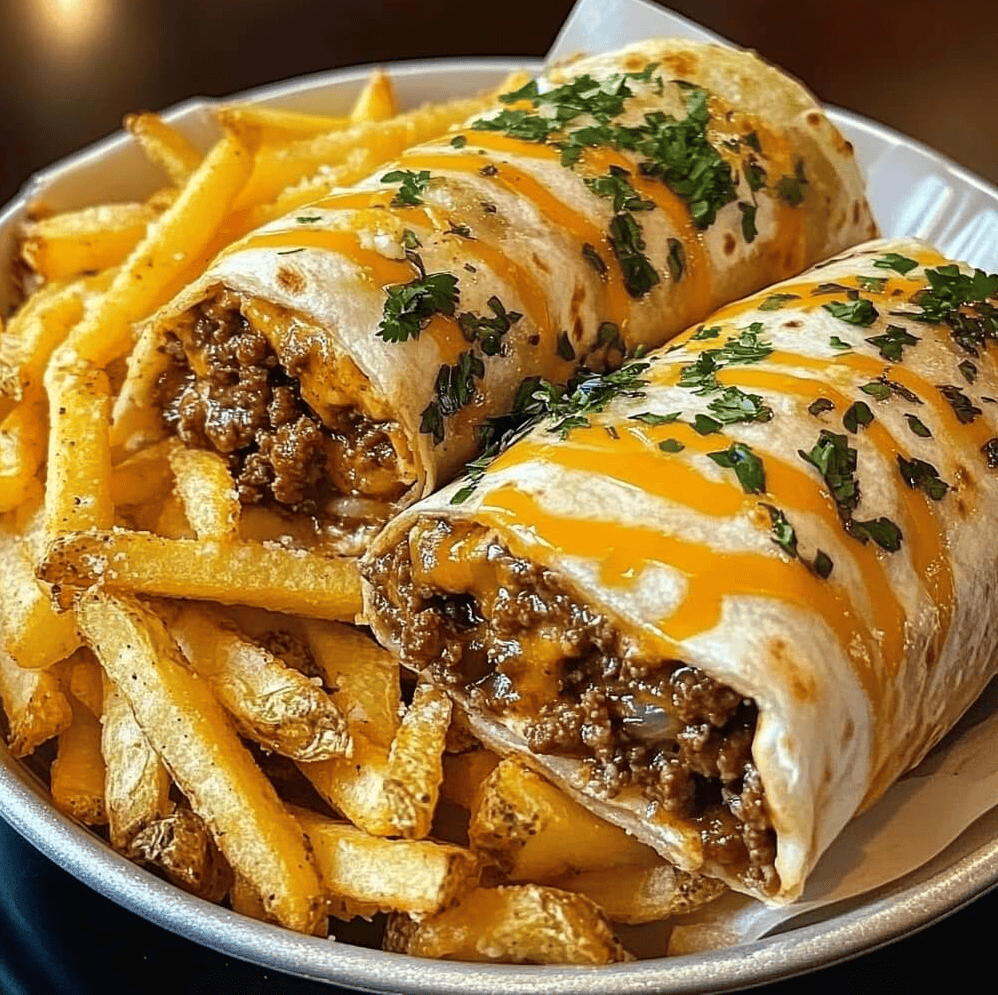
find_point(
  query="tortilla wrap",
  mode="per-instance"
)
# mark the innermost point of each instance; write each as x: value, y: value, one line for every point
x: 599, y: 211
x: 730, y: 599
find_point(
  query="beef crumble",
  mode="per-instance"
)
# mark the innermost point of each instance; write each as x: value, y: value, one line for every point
x: 226, y: 391
x: 517, y: 643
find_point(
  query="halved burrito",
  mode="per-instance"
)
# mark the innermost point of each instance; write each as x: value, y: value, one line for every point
x: 728, y: 594
x: 345, y: 358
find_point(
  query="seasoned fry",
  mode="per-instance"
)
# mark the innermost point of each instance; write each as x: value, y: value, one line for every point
x: 136, y: 784
x: 35, y: 705
x: 157, y: 266
x: 23, y: 441
x: 204, y: 485
x: 181, y: 846
x: 276, y: 125
x: 83, y: 678
x: 244, y: 573
x: 523, y: 924
x: 165, y: 146
x: 376, y: 102
x: 365, y: 875
x: 89, y: 240
x: 270, y: 702
x: 78, y: 483
x: 77, y: 781
x: 196, y: 741
x: 535, y: 832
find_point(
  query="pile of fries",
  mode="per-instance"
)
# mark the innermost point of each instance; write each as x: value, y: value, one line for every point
x: 189, y: 677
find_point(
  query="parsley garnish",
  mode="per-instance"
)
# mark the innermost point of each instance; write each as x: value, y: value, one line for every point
x: 671, y: 446
x: 817, y: 406
x: 749, y: 230
x: 412, y: 186
x: 594, y: 259
x: 892, y: 342
x: 409, y: 306
x: 676, y: 259
x: 919, y: 474
x: 872, y: 284
x: 488, y: 332
x: 734, y: 406
x: 651, y: 418
x: 783, y: 533
x: 918, y: 427
x: 744, y: 348
x: 900, y: 264
x: 455, y: 386
x: 307, y: 220
x: 747, y: 466
x: 961, y: 301
x: 776, y: 301
x: 968, y: 370
x: 857, y: 414
x: 613, y: 186
x: 964, y: 409
x: 628, y: 244
x: 859, y: 312
x: 836, y: 343
x: 790, y: 189
x: 703, y: 332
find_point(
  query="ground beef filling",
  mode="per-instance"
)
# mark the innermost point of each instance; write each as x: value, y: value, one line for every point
x: 245, y: 406
x: 665, y: 727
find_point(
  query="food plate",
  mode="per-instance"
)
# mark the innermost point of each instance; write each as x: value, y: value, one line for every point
x: 913, y: 191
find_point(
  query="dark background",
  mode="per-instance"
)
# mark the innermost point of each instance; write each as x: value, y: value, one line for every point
x: 69, y: 69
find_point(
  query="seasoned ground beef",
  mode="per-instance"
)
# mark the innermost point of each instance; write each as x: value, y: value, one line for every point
x: 665, y: 727
x: 244, y: 405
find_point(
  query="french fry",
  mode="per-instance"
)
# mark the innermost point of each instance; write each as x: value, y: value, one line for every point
x: 193, y: 736
x: 173, y: 152
x: 34, y: 634
x: 23, y: 442
x: 157, y: 266
x: 271, y: 703
x: 275, y: 578
x: 209, y: 496
x: 75, y: 243
x: 136, y: 784
x: 535, y: 832
x: 521, y: 924
x: 84, y: 679
x: 364, y: 875
x: 180, y: 845
x: 143, y: 477
x: 376, y: 102
x: 77, y: 777
x: 78, y: 484
x: 35, y: 705
x: 277, y: 125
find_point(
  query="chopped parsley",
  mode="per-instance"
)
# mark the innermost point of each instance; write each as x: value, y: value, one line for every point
x: 746, y: 464
x: 892, y: 342
x: 744, y: 348
x: 918, y: 427
x: 652, y: 418
x: 776, y: 301
x: 857, y: 414
x: 836, y: 343
x: 820, y: 404
x: 676, y: 259
x: 628, y: 243
x: 308, y: 219
x: 894, y: 261
x: 872, y: 284
x: 412, y: 186
x: 488, y: 332
x: 858, y: 312
x: 919, y: 474
x: 964, y: 409
x: 790, y: 189
x: 968, y: 371
x: 705, y: 425
x: 961, y: 301
x: 749, y: 230
x: 410, y: 306
x: 594, y: 259
x: 671, y: 446
x: 783, y: 533
x: 613, y: 186
x: 734, y: 406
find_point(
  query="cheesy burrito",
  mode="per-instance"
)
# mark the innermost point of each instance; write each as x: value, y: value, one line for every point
x: 345, y: 358
x: 728, y: 594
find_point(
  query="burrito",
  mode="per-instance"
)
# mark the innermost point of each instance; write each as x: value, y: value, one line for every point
x: 728, y: 594
x: 345, y: 359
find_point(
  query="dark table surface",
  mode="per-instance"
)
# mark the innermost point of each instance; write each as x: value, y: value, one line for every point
x: 69, y: 69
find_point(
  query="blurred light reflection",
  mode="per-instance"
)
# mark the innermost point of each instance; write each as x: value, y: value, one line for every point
x: 68, y: 27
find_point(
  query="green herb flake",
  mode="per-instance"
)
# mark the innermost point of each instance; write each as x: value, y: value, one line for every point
x: 671, y: 446
x: 676, y: 259
x: 409, y: 306
x: 432, y: 423
x: 919, y: 474
x: 882, y: 531
x: 735, y: 405
x: 412, y: 186
x: 918, y: 427
x: 891, y: 344
x: 749, y: 230
x: 859, y: 312
x: 628, y: 243
x: 594, y: 259
x: 819, y: 405
x: 790, y: 189
x: 783, y: 533
x: 822, y: 565
x: 459, y: 141
x: 290, y: 252
x: 705, y: 332
x: 777, y: 301
x: 565, y: 349
x: 858, y: 414
x: 613, y: 186
x: 964, y: 409
x: 308, y: 219
x: 836, y: 343
x: 652, y: 418
x: 706, y: 425
x: 746, y: 464
x: 893, y: 261
x: 872, y: 284
x: 968, y: 370
x: 488, y: 332
x: 878, y: 389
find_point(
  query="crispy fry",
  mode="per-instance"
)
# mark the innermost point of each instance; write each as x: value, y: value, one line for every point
x: 83, y: 678
x: 88, y: 240
x: 270, y: 702
x: 23, y: 442
x: 160, y: 263
x: 180, y: 844
x: 230, y: 572
x: 165, y: 146
x: 35, y: 705
x: 364, y: 875
x: 524, y: 924
x: 136, y: 784
x: 277, y: 125
x: 376, y: 102
x: 204, y: 485
x: 78, y: 485
x: 77, y: 781
x: 196, y: 741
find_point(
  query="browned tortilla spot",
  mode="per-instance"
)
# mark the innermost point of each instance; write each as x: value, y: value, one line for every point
x: 291, y: 280
x: 799, y: 680
x: 729, y: 243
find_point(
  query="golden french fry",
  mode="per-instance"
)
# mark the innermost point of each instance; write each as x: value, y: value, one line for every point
x: 364, y: 875
x: 180, y: 844
x: 35, y: 705
x: 535, y: 832
x: 190, y: 731
x: 634, y: 895
x: 23, y: 442
x: 75, y: 243
x: 522, y: 924
x: 78, y: 484
x: 244, y: 898
x: 271, y: 703
x: 84, y: 679
x: 143, y: 477
x: 278, y: 579
x: 173, y: 152
x: 281, y: 167
x: 77, y: 781
x: 136, y: 418
x: 34, y: 634
x: 136, y: 784
x: 159, y: 264
x: 207, y: 492
x: 275, y: 124
x: 376, y: 102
